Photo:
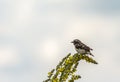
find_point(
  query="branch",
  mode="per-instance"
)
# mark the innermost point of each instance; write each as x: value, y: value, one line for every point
x: 65, y: 70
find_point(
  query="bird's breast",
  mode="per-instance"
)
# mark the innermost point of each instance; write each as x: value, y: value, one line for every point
x: 80, y: 51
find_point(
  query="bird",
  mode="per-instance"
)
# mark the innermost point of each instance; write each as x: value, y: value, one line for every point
x: 81, y: 48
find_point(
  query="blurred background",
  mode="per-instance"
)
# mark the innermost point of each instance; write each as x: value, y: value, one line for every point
x: 36, y: 34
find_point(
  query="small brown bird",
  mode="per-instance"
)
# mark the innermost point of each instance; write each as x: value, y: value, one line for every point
x: 81, y: 48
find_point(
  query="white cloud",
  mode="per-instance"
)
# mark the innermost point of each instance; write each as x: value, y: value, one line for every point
x: 48, y: 49
x: 8, y: 56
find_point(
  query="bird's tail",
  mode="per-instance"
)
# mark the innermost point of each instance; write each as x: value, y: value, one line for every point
x: 91, y: 49
x: 91, y: 54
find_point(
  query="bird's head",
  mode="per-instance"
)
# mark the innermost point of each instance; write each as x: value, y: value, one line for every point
x: 76, y: 41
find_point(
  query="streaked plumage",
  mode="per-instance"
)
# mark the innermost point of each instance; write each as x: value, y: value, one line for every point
x: 81, y: 47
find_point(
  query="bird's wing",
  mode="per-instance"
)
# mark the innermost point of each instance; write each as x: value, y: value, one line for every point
x: 83, y: 46
x: 78, y: 46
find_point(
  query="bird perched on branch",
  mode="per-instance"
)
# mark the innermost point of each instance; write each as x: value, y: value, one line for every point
x: 81, y: 48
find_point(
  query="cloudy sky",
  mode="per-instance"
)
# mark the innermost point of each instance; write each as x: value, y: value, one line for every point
x: 36, y: 34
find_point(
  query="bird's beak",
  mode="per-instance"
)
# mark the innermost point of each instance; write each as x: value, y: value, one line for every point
x: 72, y: 42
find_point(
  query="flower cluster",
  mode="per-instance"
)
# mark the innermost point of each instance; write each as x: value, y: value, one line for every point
x: 65, y: 70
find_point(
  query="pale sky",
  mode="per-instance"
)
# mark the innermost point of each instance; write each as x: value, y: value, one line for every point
x: 36, y: 34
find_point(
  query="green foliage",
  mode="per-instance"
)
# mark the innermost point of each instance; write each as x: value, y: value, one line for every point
x: 65, y: 70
